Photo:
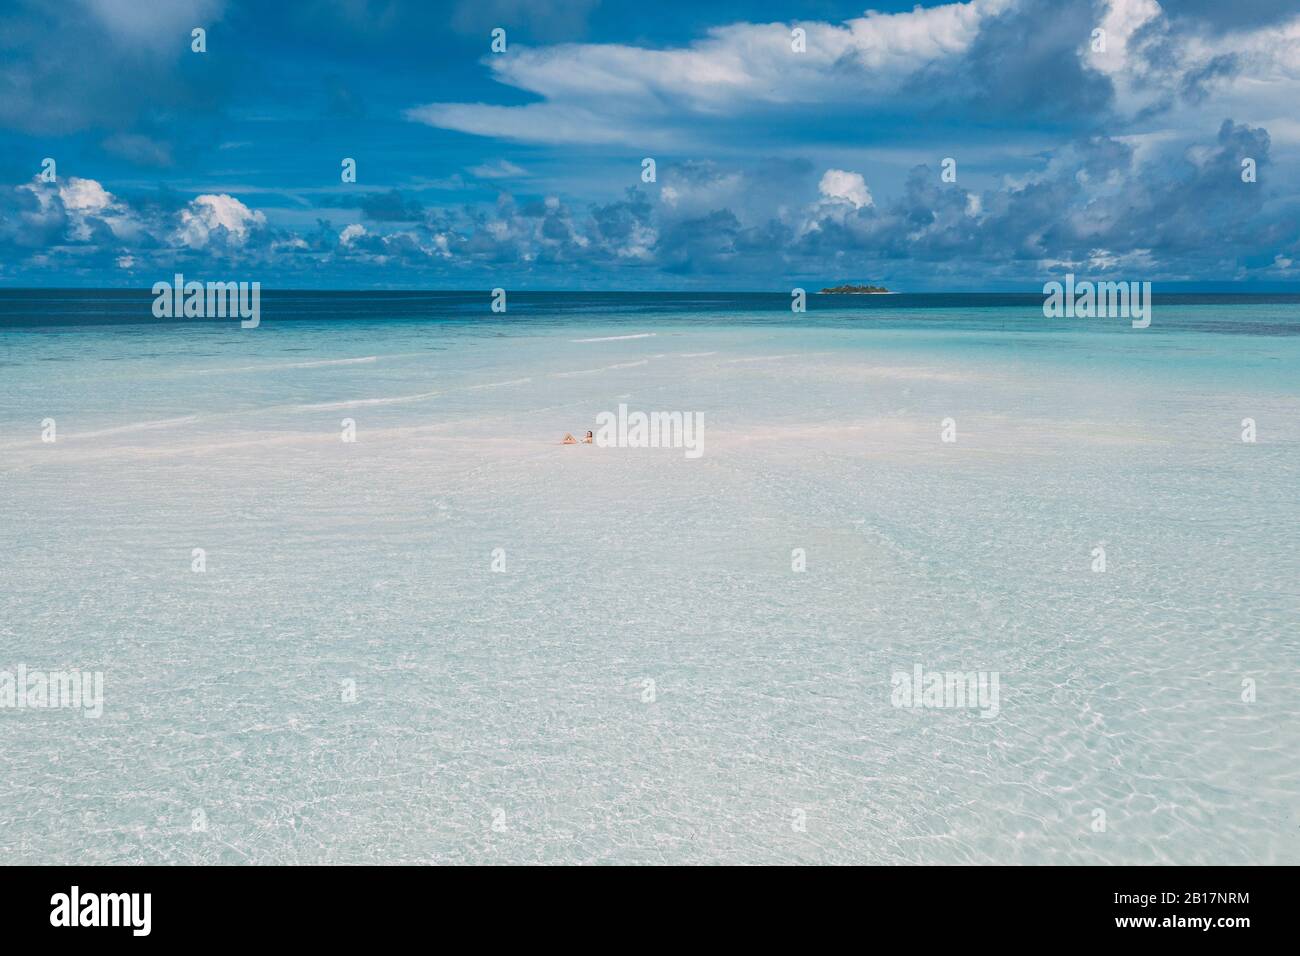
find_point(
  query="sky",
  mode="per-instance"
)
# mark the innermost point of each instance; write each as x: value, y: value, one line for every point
x: 992, y: 145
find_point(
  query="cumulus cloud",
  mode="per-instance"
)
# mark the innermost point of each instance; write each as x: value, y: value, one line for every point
x: 1095, y: 207
x: 78, y: 209
x: 1101, y: 205
x: 772, y: 164
x: 221, y: 219
x: 1020, y: 60
x: 838, y: 185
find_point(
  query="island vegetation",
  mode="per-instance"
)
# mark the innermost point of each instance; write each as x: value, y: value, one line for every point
x: 854, y: 290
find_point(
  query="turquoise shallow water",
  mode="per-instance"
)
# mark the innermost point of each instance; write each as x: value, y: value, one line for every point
x: 507, y: 717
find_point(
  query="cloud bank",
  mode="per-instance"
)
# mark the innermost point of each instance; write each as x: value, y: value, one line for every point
x: 1100, y: 137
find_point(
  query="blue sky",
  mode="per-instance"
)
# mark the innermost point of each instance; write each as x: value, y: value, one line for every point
x: 774, y: 167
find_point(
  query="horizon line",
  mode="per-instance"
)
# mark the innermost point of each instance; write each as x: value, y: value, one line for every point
x: 147, y: 290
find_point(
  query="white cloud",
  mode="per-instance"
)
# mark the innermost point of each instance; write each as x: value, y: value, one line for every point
x: 1151, y: 64
x: 84, y: 202
x: 696, y: 189
x: 842, y: 194
x: 207, y: 214
x: 157, y: 26
x: 84, y: 196
x: 534, y: 122
x: 592, y: 93
x: 1123, y: 18
x: 500, y: 169
x: 349, y: 233
x: 844, y: 186
x: 619, y: 93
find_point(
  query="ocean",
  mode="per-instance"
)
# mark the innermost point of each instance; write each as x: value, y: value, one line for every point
x: 353, y: 601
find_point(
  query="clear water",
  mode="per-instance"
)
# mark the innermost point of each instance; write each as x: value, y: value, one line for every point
x: 520, y: 698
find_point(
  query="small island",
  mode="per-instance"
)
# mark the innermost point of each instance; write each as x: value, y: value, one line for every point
x: 854, y: 290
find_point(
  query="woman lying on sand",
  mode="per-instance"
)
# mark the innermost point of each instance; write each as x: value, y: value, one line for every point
x: 570, y: 440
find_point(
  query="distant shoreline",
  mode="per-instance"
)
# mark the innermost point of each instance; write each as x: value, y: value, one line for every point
x: 856, y: 290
